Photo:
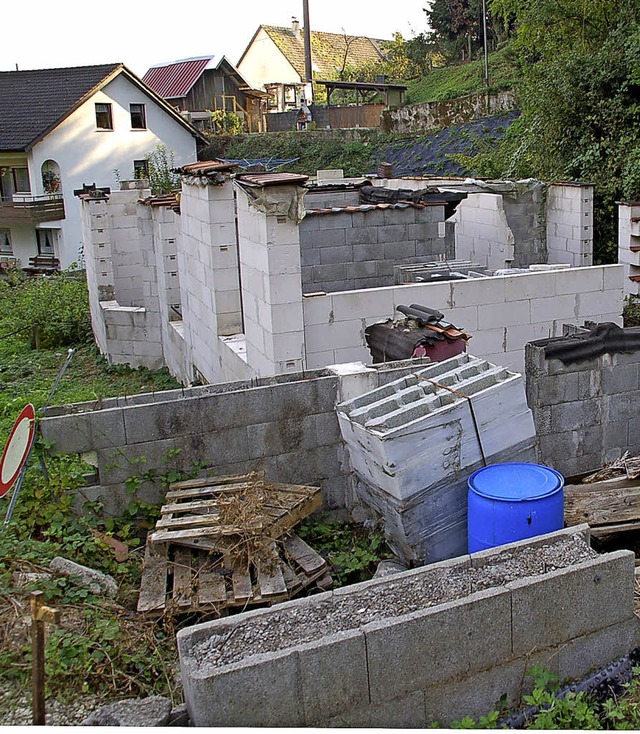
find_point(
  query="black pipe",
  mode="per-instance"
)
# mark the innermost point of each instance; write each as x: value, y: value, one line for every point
x: 602, y: 684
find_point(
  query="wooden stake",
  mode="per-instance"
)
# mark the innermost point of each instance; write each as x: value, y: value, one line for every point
x: 40, y: 615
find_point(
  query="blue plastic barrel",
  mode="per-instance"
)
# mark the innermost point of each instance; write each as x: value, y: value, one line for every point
x: 509, y: 502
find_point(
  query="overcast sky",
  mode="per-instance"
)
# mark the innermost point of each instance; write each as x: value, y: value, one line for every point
x: 46, y: 34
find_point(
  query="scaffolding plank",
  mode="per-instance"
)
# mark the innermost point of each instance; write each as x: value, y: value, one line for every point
x: 153, y: 586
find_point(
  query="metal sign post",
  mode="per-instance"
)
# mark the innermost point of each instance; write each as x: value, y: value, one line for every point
x: 13, y: 464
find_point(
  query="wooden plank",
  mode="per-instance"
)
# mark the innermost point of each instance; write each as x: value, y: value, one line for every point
x: 606, y: 531
x: 177, y: 494
x: 182, y: 579
x: 212, y: 588
x: 298, y: 513
x: 271, y: 578
x: 217, y: 481
x: 241, y: 582
x: 153, y: 586
x: 602, y: 503
x: 310, y: 561
x: 163, y: 536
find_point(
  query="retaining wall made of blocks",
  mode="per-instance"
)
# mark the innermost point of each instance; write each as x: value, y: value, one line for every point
x: 406, y: 650
x: 285, y: 425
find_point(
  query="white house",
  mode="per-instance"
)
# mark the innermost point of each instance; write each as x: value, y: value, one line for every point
x: 63, y: 128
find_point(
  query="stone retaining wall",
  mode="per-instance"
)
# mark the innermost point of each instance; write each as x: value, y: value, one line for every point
x: 429, y: 645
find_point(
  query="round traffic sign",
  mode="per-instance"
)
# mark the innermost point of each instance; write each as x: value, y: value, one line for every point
x: 17, y: 449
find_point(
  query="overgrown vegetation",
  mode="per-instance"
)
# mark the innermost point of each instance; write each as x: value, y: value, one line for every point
x: 102, y: 647
x: 575, y: 711
x: 353, y: 152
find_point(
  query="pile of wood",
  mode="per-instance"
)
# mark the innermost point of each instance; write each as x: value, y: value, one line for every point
x: 609, y: 499
x: 226, y: 542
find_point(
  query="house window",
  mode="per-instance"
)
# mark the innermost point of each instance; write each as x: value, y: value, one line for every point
x: 138, y: 116
x: 5, y: 242
x: 104, y: 120
x: 141, y: 168
x: 46, y: 239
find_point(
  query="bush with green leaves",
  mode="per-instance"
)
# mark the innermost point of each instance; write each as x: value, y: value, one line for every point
x: 53, y: 308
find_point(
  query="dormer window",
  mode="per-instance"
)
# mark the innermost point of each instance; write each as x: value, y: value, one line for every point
x: 138, y: 117
x: 104, y: 119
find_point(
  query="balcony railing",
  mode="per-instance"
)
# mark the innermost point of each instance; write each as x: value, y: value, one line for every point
x: 27, y: 209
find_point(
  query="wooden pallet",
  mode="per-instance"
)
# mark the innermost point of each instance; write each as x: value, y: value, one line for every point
x: 183, y: 579
x: 191, y: 515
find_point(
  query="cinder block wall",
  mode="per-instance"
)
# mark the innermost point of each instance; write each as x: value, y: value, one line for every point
x: 268, y: 236
x: 483, y: 234
x: 586, y: 412
x: 501, y: 313
x: 350, y: 250
x: 629, y: 244
x: 570, y: 223
x: 123, y: 280
x: 431, y: 645
x: 286, y: 425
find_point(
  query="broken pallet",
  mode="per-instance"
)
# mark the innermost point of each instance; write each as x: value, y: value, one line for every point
x: 192, y: 515
x: 190, y: 580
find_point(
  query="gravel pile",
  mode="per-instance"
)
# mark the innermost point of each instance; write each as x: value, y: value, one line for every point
x: 278, y: 629
x: 17, y: 711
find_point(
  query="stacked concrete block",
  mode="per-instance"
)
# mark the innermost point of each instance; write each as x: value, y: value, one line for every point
x: 414, y: 442
x: 431, y: 645
x: 269, y: 249
x: 483, y: 234
x: 502, y: 313
x: 121, y: 267
x: 570, y: 224
x: 584, y: 411
x: 343, y: 250
x: 629, y: 244
x: 209, y: 272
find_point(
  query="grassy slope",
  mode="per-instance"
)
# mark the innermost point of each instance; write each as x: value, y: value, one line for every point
x: 458, y: 81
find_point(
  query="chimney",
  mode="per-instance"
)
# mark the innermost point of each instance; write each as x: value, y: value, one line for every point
x: 295, y: 27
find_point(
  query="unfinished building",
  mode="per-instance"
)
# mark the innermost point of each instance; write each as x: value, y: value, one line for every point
x: 251, y: 275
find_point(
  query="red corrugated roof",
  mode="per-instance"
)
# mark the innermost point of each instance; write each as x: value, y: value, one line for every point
x: 175, y: 80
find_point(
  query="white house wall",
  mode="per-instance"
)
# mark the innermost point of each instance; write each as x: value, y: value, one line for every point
x: 264, y: 63
x: 87, y: 155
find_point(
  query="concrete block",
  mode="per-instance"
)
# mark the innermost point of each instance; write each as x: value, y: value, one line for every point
x: 576, y: 414
x: 406, y: 712
x: 623, y: 378
x: 363, y: 303
x: 317, y: 310
x: 329, y: 273
x: 478, y: 291
x: 496, y: 315
x: 245, y: 694
x: 579, y: 280
x: 559, y: 606
x: 333, y: 673
x: 329, y: 255
x: 399, y: 250
x: 368, y: 251
x: 328, y: 238
x: 362, y: 270
x: 455, y: 634
x: 361, y: 236
x: 618, y: 407
x: 589, y: 652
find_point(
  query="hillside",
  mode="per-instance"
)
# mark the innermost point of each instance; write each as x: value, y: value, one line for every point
x: 450, y: 82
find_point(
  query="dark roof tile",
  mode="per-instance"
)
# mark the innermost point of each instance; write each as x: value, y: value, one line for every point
x: 32, y: 102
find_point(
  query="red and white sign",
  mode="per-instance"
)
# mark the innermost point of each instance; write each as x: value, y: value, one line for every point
x: 17, y: 449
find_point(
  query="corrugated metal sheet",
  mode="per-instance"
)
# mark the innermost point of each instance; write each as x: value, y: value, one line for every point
x: 272, y: 179
x: 175, y: 80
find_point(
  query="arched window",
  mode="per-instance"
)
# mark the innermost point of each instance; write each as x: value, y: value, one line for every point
x: 51, y: 182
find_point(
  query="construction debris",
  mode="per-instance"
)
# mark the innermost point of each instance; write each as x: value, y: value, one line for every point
x: 414, y: 442
x: 609, y: 499
x: 225, y: 542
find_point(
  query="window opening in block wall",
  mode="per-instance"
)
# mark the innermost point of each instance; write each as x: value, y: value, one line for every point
x: 141, y: 168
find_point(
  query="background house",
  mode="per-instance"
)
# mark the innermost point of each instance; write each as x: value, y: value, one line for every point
x: 63, y: 128
x: 198, y: 86
x: 274, y: 60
